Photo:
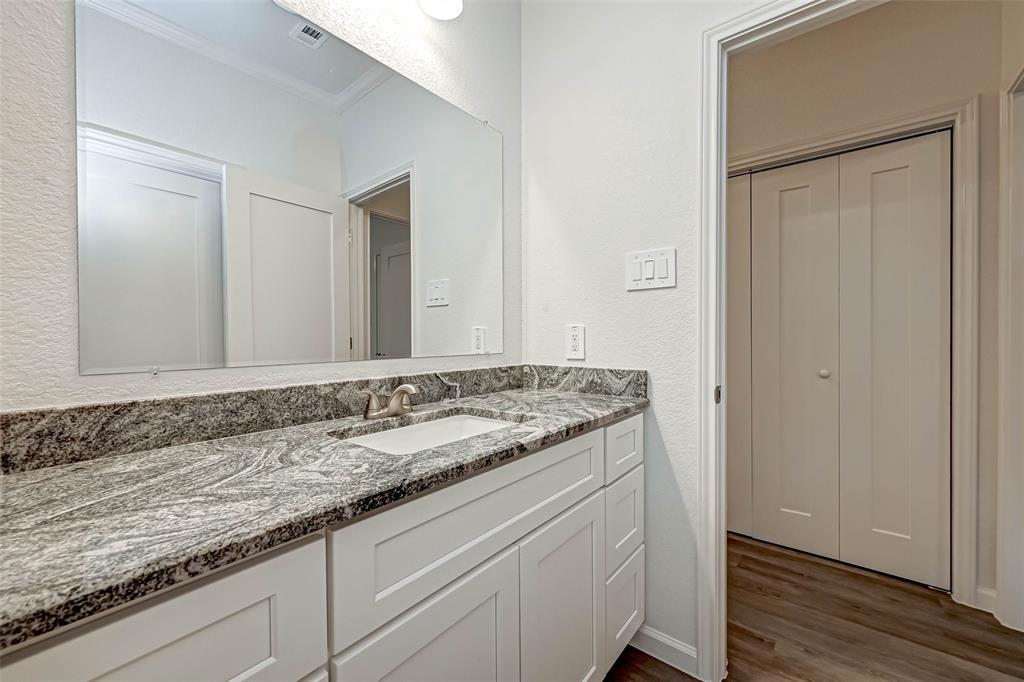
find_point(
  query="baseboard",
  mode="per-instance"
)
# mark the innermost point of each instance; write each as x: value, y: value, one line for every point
x: 985, y: 599
x: 679, y: 655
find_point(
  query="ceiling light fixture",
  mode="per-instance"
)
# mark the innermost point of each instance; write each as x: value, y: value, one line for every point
x: 442, y: 9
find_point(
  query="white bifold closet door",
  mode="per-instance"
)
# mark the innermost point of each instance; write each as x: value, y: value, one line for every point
x: 794, y: 245
x: 894, y: 398
x: 850, y: 357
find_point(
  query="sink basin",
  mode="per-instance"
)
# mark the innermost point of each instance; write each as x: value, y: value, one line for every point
x: 409, y: 439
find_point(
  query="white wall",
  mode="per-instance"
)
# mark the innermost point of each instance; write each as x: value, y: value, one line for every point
x: 474, y: 62
x: 611, y: 111
x: 899, y: 58
x: 456, y: 233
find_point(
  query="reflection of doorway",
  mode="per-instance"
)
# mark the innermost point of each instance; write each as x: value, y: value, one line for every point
x: 382, y: 311
x: 390, y: 288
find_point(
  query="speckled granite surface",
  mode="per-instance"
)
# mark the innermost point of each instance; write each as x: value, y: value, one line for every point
x: 81, y: 538
x: 32, y: 439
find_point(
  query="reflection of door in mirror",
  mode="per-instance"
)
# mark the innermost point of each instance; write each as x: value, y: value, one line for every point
x: 149, y: 258
x: 390, y: 288
x: 385, y: 213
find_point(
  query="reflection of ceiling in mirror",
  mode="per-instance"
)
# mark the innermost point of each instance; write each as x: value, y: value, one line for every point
x: 253, y: 36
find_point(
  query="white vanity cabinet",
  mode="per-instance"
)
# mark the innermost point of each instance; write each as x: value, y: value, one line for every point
x: 530, y: 571
x: 266, y: 621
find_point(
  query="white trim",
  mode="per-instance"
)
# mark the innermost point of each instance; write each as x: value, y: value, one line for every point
x: 133, y: 15
x: 148, y: 153
x: 985, y: 599
x: 361, y: 87
x: 767, y: 24
x: 1010, y: 450
x: 679, y: 655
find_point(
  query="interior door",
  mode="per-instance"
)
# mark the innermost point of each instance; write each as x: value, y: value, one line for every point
x: 795, y: 347
x: 149, y: 267
x: 895, y: 358
x: 391, y: 290
x: 286, y: 272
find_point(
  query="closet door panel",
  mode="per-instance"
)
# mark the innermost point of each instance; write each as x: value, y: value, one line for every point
x: 895, y: 358
x: 795, y: 342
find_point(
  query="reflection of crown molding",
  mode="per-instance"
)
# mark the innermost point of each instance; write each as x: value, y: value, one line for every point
x: 361, y: 87
x: 102, y: 140
x: 133, y: 15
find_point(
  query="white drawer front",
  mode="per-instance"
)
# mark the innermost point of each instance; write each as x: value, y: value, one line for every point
x: 624, y: 518
x: 468, y: 631
x: 625, y: 605
x: 265, y: 622
x: 624, y: 446
x: 387, y: 563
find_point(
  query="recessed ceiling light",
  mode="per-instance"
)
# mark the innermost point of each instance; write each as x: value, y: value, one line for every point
x: 442, y: 9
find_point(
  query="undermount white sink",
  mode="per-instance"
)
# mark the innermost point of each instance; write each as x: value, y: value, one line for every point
x: 409, y: 439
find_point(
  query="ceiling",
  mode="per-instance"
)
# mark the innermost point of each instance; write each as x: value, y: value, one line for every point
x: 253, y: 35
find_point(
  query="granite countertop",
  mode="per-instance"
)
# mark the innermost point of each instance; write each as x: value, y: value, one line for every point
x: 81, y: 538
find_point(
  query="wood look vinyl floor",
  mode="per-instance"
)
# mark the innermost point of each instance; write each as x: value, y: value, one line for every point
x: 793, y: 616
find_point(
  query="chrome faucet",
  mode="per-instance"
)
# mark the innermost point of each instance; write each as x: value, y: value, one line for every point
x: 398, y: 402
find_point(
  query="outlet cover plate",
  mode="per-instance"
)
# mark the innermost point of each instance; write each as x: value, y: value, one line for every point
x: 575, y: 342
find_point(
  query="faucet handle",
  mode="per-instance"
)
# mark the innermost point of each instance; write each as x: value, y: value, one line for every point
x: 372, y: 402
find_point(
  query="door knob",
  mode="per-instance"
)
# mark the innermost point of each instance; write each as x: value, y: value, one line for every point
x: 824, y: 373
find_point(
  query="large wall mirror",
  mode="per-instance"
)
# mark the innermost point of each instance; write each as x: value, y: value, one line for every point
x: 253, y: 190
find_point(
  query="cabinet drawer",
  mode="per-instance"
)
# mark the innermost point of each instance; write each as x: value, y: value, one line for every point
x: 624, y: 609
x: 467, y: 631
x: 264, y: 622
x: 623, y: 446
x: 385, y: 564
x: 624, y: 518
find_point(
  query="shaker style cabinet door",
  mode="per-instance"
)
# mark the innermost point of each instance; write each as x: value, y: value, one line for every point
x: 562, y: 600
x: 467, y: 632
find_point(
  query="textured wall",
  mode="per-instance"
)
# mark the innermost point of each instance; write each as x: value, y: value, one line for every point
x: 611, y: 111
x: 474, y: 62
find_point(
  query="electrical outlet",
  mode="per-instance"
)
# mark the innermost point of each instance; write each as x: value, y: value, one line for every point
x: 478, y: 340
x: 575, y: 342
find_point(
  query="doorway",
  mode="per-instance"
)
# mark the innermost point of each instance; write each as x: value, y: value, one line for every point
x: 382, y: 237
x: 770, y: 27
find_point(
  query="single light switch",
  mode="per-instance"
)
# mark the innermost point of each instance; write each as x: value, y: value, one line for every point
x: 648, y: 269
x: 635, y: 270
x: 661, y: 267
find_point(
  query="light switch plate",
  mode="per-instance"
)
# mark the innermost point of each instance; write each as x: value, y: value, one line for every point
x: 653, y: 269
x: 437, y: 293
x: 575, y: 342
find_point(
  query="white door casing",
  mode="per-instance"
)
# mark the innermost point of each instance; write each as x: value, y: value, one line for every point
x: 740, y: 509
x: 286, y: 271
x: 795, y: 348
x: 895, y: 358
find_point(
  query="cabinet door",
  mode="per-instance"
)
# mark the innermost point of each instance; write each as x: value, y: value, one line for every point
x: 266, y: 622
x: 795, y: 355
x: 562, y: 600
x: 469, y: 631
x: 625, y: 605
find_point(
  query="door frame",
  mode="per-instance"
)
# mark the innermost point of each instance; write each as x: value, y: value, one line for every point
x: 1010, y: 552
x: 766, y: 25
x: 359, y: 262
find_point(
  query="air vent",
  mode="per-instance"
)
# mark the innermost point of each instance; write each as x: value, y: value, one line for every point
x: 309, y: 35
